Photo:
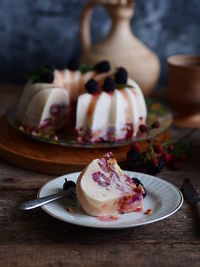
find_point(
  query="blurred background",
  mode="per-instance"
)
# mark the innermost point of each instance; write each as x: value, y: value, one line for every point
x: 35, y: 33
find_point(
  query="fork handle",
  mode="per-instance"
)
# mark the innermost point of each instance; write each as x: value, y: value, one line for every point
x: 34, y: 203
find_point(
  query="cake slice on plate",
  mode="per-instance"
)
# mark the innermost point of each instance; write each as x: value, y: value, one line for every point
x: 103, y: 189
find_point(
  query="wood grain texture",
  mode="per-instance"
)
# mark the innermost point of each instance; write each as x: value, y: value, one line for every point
x: 49, y: 158
x: 37, y: 240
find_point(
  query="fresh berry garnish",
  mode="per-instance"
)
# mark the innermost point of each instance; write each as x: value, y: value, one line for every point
x: 134, y: 156
x: 137, y: 182
x: 109, y: 85
x: 55, y: 110
x: 143, y: 128
x: 68, y: 184
x: 92, y: 86
x: 121, y: 76
x: 154, y: 161
x: 129, y: 131
x: 158, y: 148
x: 73, y: 64
x: 46, y: 76
x: 155, y: 125
x: 136, y: 146
x: 103, y: 66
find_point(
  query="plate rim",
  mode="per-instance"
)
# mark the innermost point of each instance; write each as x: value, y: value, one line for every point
x: 113, y: 227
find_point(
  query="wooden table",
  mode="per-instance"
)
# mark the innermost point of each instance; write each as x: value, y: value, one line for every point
x: 35, y: 239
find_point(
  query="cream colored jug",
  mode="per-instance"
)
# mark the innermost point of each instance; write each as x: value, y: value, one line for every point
x: 120, y: 46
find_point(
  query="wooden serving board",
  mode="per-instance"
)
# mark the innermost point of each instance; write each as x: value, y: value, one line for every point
x: 49, y: 158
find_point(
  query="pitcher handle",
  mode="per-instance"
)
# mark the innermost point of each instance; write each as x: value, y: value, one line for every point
x: 85, y: 25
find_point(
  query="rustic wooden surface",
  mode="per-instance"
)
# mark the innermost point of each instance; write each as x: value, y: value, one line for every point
x: 35, y: 239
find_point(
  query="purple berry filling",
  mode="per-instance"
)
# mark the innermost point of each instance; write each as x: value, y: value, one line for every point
x: 103, y: 165
x: 101, y: 179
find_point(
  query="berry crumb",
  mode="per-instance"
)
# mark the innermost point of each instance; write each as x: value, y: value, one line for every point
x: 148, y: 212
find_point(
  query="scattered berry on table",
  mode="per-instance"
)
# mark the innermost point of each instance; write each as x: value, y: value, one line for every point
x: 166, y: 157
x: 158, y: 148
x: 103, y: 66
x: 157, y: 169
x: 134, y: 156
x: 92, y: 86
x: 121, y: 76
x: 154, y: 161
x: 136, y: 146
x: 109, y: 85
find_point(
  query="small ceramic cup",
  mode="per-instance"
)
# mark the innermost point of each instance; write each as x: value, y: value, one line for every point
x: 184, y: 89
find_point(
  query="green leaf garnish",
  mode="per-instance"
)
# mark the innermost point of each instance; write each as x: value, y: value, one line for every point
x: 84, y: 67
x: 122, y: 86
x: 34, y: 76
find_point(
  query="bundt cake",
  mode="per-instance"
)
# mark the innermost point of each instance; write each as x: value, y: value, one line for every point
x: 99, y: 104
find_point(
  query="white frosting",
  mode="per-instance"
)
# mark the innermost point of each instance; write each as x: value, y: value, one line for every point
x: 117, y: 109
x: 36, y: 102
x: 142, y: 108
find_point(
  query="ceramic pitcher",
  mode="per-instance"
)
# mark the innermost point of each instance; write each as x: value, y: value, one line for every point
x: 120, y: 46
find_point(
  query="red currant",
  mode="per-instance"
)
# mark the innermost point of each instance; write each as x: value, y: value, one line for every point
x: 158, y: 148
x: 136, y: 146
x: 143, y: 128
x: 166, y: 157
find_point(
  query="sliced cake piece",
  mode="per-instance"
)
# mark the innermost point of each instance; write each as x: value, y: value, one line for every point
x: 104, y: 190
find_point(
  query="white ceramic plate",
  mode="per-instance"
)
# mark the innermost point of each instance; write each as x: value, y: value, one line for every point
x: 162, y: 197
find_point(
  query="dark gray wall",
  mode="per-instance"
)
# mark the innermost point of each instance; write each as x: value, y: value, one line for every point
x: 38, y: 32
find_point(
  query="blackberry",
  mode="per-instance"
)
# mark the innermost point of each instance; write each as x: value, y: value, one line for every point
x: 134, y: 156
x: 103, y: 66
x: 157, y: 169
x: 73, y: 64
x: 47, y: 76
x: 92, y: 86
x: 137, y: 182
x: 155, y: 125
x: 143, y: 128
x: 158, y: 148
x: 121, y: 76
x: 109, y: 85
x: 136, y: 146
x: 68, y: 184
x: 50, y: 67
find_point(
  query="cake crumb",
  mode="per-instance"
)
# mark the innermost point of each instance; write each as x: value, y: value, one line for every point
x: 148, y: 212
x: 71, y: 210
